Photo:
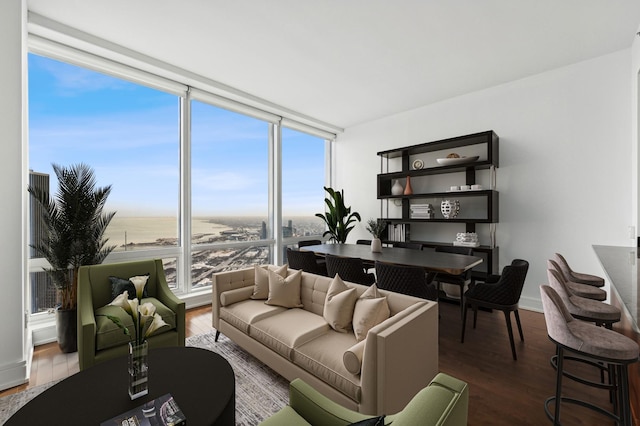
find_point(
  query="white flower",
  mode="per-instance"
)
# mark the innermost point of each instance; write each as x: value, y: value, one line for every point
x: 139, y: 282
x: 122, y: 300
x: 147, y: 309
x: 157, y: 323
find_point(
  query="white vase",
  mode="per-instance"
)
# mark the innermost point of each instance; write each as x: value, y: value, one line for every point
x: 376, y: 245
x: 397, y: 188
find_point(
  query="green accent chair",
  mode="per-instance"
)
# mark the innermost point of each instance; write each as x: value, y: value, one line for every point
x: 445, y: 401
x: 99, y: 339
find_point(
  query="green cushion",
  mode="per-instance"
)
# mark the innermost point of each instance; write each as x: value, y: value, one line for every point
x: 109, y: 334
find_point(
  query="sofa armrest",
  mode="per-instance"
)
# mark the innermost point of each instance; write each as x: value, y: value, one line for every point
x: 317, y: 409
x: 171, y: 301
x: 445, y: 402
x: 393, y: 372
x: 225, y: 281
x: 86, y: 321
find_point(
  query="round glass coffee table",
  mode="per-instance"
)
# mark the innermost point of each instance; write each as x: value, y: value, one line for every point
x: 201, y: 382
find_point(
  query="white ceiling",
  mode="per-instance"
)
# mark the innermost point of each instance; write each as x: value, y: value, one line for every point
x: 346, y: 62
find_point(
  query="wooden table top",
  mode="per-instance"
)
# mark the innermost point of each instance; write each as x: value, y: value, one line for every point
x: 450, y: 263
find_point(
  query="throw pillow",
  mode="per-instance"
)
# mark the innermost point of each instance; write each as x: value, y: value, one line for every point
x: 370, y: 310
x: 284, y: 292
x: 261, y: 281
x: 339, y: 304
x: 119, y: 285
x: 352, y: 357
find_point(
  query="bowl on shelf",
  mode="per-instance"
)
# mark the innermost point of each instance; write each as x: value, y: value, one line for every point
x: 457, y: 160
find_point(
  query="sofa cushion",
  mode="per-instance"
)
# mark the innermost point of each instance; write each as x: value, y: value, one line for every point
x: 322, y: 357
x: 370, y: 310
x: 339, y: 304
x: 287, y: 330
x: 109, y: 335
x: 261, y: 280
x: 242, y: 314
x: 284, y: 292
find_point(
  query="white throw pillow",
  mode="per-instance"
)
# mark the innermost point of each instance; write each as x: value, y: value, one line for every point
x: 370, y: 310
x: 285, y: 291
x: 261, y: 281
x: 339, y: 305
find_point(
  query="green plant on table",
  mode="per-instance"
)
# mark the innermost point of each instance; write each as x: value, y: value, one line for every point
x: 339, y: 218
x: 376, y: 227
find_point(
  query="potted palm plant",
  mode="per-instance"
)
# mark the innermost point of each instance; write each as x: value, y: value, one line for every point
x: 74, y: 224
x: 339, y: 218
x: 376, y: 228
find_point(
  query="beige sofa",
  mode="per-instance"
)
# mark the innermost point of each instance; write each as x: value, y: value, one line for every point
x: 399, y: 356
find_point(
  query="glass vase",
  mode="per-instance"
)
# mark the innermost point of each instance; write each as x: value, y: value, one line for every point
x: 138, y: 370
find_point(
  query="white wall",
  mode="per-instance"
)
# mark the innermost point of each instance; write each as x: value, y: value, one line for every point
x: 565, y: 176
x: 13, y: 353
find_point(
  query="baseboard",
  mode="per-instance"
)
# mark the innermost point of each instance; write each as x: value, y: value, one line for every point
x: 530, y: 304
x: 14, y: 374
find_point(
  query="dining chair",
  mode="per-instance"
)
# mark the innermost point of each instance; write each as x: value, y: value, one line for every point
x: 305, y: 261
x: 350, y: 269
x: 364, y: 242
x: 501, y: 292
x: 461, y: 281
x: 305, y: 243
x: 408, y: 245
x: 411, y: 280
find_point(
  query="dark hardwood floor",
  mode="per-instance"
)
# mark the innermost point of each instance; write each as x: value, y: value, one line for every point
x: 502, y: 391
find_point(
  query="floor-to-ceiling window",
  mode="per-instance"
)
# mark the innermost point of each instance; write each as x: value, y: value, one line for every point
x: 303, y: 181
x: 229, y: 191
x: 130, y: 134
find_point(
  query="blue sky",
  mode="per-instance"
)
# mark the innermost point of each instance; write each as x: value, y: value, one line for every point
x: 129, y: 134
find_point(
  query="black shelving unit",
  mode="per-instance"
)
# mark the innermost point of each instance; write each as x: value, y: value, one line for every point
x: 485, y: 146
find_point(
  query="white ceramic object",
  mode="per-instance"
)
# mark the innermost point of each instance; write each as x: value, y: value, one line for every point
x: 397, y: 188
x: 454, y: 161
x: 450, y: 208
x: 376, y: 245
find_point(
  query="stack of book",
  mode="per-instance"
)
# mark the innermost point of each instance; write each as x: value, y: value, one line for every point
x: 421, y: 211
x: 396, y: 232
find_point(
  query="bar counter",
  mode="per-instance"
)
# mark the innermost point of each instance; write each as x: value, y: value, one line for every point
x: 620, y: 265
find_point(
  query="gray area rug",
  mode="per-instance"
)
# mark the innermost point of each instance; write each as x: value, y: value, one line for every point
x: 260, y: 391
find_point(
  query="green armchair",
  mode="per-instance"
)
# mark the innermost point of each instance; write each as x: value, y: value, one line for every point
x: 99, y: 338
x: 445, y: 401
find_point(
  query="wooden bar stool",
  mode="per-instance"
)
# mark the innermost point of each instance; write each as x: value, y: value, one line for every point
x: 577, y: 277
x: 595, y: 344
x: 582, y: 290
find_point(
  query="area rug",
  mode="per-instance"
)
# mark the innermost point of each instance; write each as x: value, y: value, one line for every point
x: 260, y: 391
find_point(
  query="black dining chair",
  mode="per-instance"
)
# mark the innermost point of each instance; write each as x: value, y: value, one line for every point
x: 501, y: 292
x: 364, y: 242
x: 408, y: 245
x: 460, y: 280
x: 411, y: 280
x: 350, y: 269
x: 305, y: 261
x: 305, y: 243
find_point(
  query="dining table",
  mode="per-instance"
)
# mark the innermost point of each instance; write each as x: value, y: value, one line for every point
x: 430, y: 260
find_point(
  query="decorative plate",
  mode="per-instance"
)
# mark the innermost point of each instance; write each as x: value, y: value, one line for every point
x: 454, y: 161
x: 417, y: 164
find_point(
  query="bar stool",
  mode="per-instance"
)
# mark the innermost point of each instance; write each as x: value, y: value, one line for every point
x: 582, y: 290
x: 596, y: 344
x: 577, y: 277
x: 602, y: 314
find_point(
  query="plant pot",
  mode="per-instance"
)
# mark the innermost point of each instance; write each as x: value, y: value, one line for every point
x: 67, y: 329
x: 376, y: 245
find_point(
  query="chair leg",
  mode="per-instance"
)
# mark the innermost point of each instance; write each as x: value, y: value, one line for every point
x: 517, y: 315
x: 464, y: 318
x: 217, y: 335
x: 475, y: 316
x: 507, y: 317
x: 560, y: 361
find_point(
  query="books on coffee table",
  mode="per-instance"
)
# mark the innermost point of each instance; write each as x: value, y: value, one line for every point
x: 160, y: 411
